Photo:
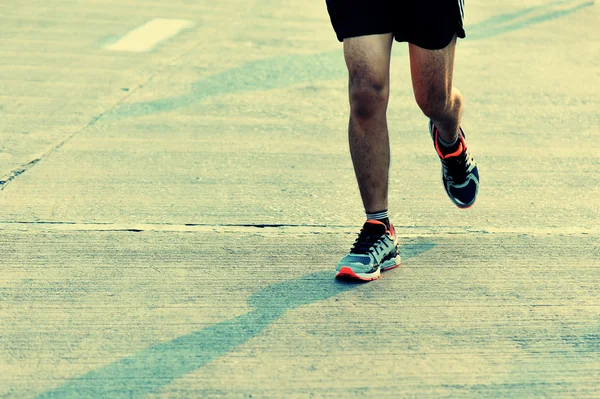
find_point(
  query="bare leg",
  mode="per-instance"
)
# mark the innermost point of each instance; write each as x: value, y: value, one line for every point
x: 368, y: 61
x: 431, y: 72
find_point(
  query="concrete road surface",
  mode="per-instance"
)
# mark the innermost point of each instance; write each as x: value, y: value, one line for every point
x: 176, y: 188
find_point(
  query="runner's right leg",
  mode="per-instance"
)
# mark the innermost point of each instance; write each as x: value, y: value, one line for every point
x: 368, y: 61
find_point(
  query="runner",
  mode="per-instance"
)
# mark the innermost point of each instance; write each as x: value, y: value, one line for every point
x: 368, y: 29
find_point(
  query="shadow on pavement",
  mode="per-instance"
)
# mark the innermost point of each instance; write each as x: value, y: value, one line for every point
x: 150, y: 369
x: 287, y: 70
x: 525, y: 17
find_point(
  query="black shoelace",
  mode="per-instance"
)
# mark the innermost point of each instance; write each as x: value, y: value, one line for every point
x: 364, y: 242
x: 457, y: 168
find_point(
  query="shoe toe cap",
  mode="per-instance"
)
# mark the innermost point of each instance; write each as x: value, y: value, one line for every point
x: 465, y: 194
x: 358, y: 263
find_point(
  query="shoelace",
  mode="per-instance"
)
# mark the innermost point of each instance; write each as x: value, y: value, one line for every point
x: 457, y: 168
x: 364, y: 242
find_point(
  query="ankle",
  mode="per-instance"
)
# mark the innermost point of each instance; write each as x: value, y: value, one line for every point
x: 380, y: 216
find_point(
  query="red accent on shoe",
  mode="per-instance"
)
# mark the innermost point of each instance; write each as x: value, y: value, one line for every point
x: 390, y: 268
x: 466, y: 207
x: 347, y: 273
x: 461, y: 145
x: 373, y: 221
x: 391, y: 231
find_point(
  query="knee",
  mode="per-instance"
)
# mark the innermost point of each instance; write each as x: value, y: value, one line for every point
x: 368, y: 96
x: 433, y: 101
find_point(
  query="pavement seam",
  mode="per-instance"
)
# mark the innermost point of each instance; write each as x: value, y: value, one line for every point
x: 404, y: 231
x: 12, y: 175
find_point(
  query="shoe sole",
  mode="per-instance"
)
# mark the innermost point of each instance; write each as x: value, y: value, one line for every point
x: 347, y: 273
x: 394, y: 264
x: 461, y: 206
x: 464, y: 207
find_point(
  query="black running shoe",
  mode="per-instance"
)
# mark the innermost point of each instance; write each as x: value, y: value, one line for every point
x: 459, y: 171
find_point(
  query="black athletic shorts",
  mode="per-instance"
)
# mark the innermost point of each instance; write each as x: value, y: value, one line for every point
x: 430, y: 24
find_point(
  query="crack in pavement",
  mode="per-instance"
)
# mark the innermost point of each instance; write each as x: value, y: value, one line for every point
x: 262, y: 228
x: 13, y: 174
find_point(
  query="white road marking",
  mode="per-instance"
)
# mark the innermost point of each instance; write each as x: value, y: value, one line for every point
x: 145, y: 37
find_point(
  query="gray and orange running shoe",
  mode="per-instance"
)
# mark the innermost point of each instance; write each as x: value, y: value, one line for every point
x: 460, y: 175
x: 375, y: 250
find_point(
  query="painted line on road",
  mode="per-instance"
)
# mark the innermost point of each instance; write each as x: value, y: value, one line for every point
x: 147, y: 36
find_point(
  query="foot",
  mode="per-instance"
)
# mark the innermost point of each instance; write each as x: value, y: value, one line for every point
x: 459, y: 171
x: 375, y: 250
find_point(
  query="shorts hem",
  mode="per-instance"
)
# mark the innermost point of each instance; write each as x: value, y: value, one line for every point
x: 341, y: 38
x: 441, y: 42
